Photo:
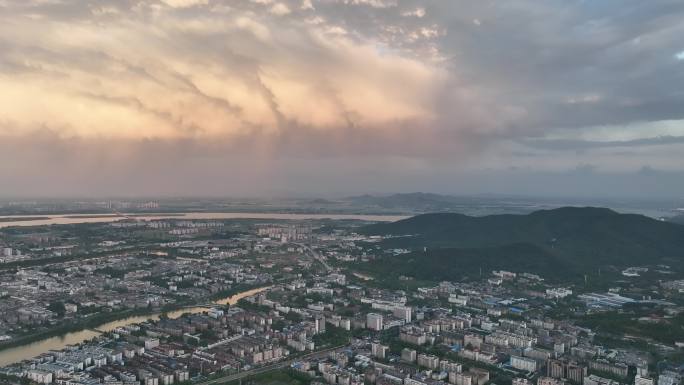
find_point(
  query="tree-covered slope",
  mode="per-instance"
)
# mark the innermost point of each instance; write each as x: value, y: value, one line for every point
x: 577, y: 236
x: 679, y: 219
x: 454, y: 264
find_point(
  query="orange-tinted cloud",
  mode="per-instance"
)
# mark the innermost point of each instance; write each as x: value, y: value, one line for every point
x: 196, y: 69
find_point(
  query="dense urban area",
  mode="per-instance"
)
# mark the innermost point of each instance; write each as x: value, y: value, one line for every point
x: 139, y: 301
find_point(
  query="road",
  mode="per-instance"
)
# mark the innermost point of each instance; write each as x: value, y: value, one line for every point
x: 316, y: 256
x: 264, y: 369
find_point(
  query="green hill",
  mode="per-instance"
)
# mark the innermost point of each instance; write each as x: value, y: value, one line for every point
x: 453, y: 263
x: 578, y: 239
x: 679, y: 219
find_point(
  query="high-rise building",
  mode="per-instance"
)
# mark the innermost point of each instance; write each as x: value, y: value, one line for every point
x: 524, y: 363
x: 374, y: 321
x: 320, y: 324
x: 378, y: 350
x: 428, y: 360
x: 408, y: 355
x: 566, y: 370
x: 402, y: 312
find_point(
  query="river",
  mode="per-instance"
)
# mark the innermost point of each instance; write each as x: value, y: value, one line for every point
x: 33, y: 349
x: 104, y: 218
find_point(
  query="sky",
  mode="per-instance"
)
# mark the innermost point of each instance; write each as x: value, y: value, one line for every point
x: 338, y: 97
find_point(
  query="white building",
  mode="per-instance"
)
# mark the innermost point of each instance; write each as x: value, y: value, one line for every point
x: 379, y: 350
x: 638, y: 380
x: 428, y: 360
x: 374, y: 321
x: 596, y: 380
x: 320, y: 324
x: 151, y: 343
x: 39, y: 376
x: 459, y: 300
x: 408, y: 355
x: 402, y: 312
x: 521, y: 381
x: 559, y: 292
x: 524, y: 363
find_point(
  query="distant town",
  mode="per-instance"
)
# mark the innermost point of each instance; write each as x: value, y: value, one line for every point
x: 140, y: 301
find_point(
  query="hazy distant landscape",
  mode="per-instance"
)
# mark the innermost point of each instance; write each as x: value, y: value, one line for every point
x: 389, y: 204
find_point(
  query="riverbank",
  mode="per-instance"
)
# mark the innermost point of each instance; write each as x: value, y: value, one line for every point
x: 64, y: 258
x: 57, y: 338
x: 87, y: 323
x: 12, y: 219
x: 94, y: 218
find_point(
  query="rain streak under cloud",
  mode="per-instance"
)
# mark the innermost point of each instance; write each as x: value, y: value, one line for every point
x: 208, y: 97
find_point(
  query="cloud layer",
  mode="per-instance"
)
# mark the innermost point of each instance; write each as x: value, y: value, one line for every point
x: 247, y: 96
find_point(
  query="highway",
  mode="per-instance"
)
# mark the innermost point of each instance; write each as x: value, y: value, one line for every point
x: 264, y: 369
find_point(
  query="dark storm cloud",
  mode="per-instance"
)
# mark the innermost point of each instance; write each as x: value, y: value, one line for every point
x: 574, y: 63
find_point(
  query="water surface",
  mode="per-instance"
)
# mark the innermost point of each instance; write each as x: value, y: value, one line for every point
x: 68, y: 219
x: 33, y: 349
